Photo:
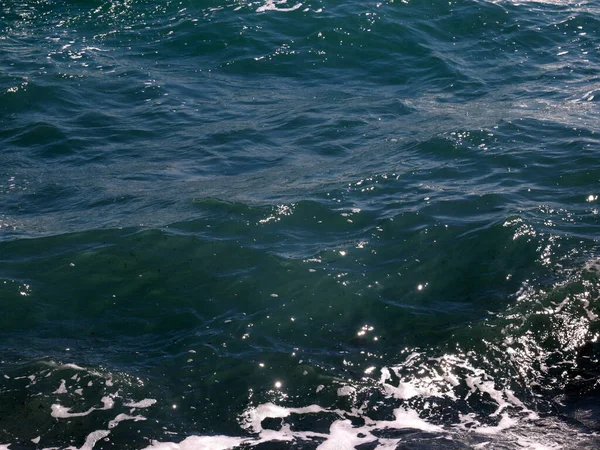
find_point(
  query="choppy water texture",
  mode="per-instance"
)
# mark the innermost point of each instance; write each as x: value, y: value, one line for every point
x: 299, y: 224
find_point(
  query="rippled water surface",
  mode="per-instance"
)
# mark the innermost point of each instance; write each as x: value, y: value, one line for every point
x: 299, y: 225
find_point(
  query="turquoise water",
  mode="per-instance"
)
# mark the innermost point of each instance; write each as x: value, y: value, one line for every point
x: 299, y: 225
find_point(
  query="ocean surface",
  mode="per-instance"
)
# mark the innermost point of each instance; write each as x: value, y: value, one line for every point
x: 290, y: 224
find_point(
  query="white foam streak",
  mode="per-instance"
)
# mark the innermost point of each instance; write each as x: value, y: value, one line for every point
x: 91, y: 440
x: 409, y: 419
x: 121, y: 417
x: 343, y: 435
x: 146, y: 403
x: 271, y: 5
x: 199, y: 443
x: 61, y: 412
x: 70, y: 366
x: 253, y: 417
x: 58, y: 366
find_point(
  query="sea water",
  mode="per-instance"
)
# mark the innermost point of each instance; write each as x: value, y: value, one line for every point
x: 289, y: 224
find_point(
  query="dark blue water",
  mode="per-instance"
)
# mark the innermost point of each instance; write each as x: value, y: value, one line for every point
x: 299, y: 225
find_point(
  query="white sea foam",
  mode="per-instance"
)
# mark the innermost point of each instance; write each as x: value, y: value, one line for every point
x: 62, y: 389
x: 272, y: 5
x: 146, y: 403
x: 199, y: 443
x: 91, y: 440
x: 122, y: 417
x: 62, y: 412
x: 343, y: 435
